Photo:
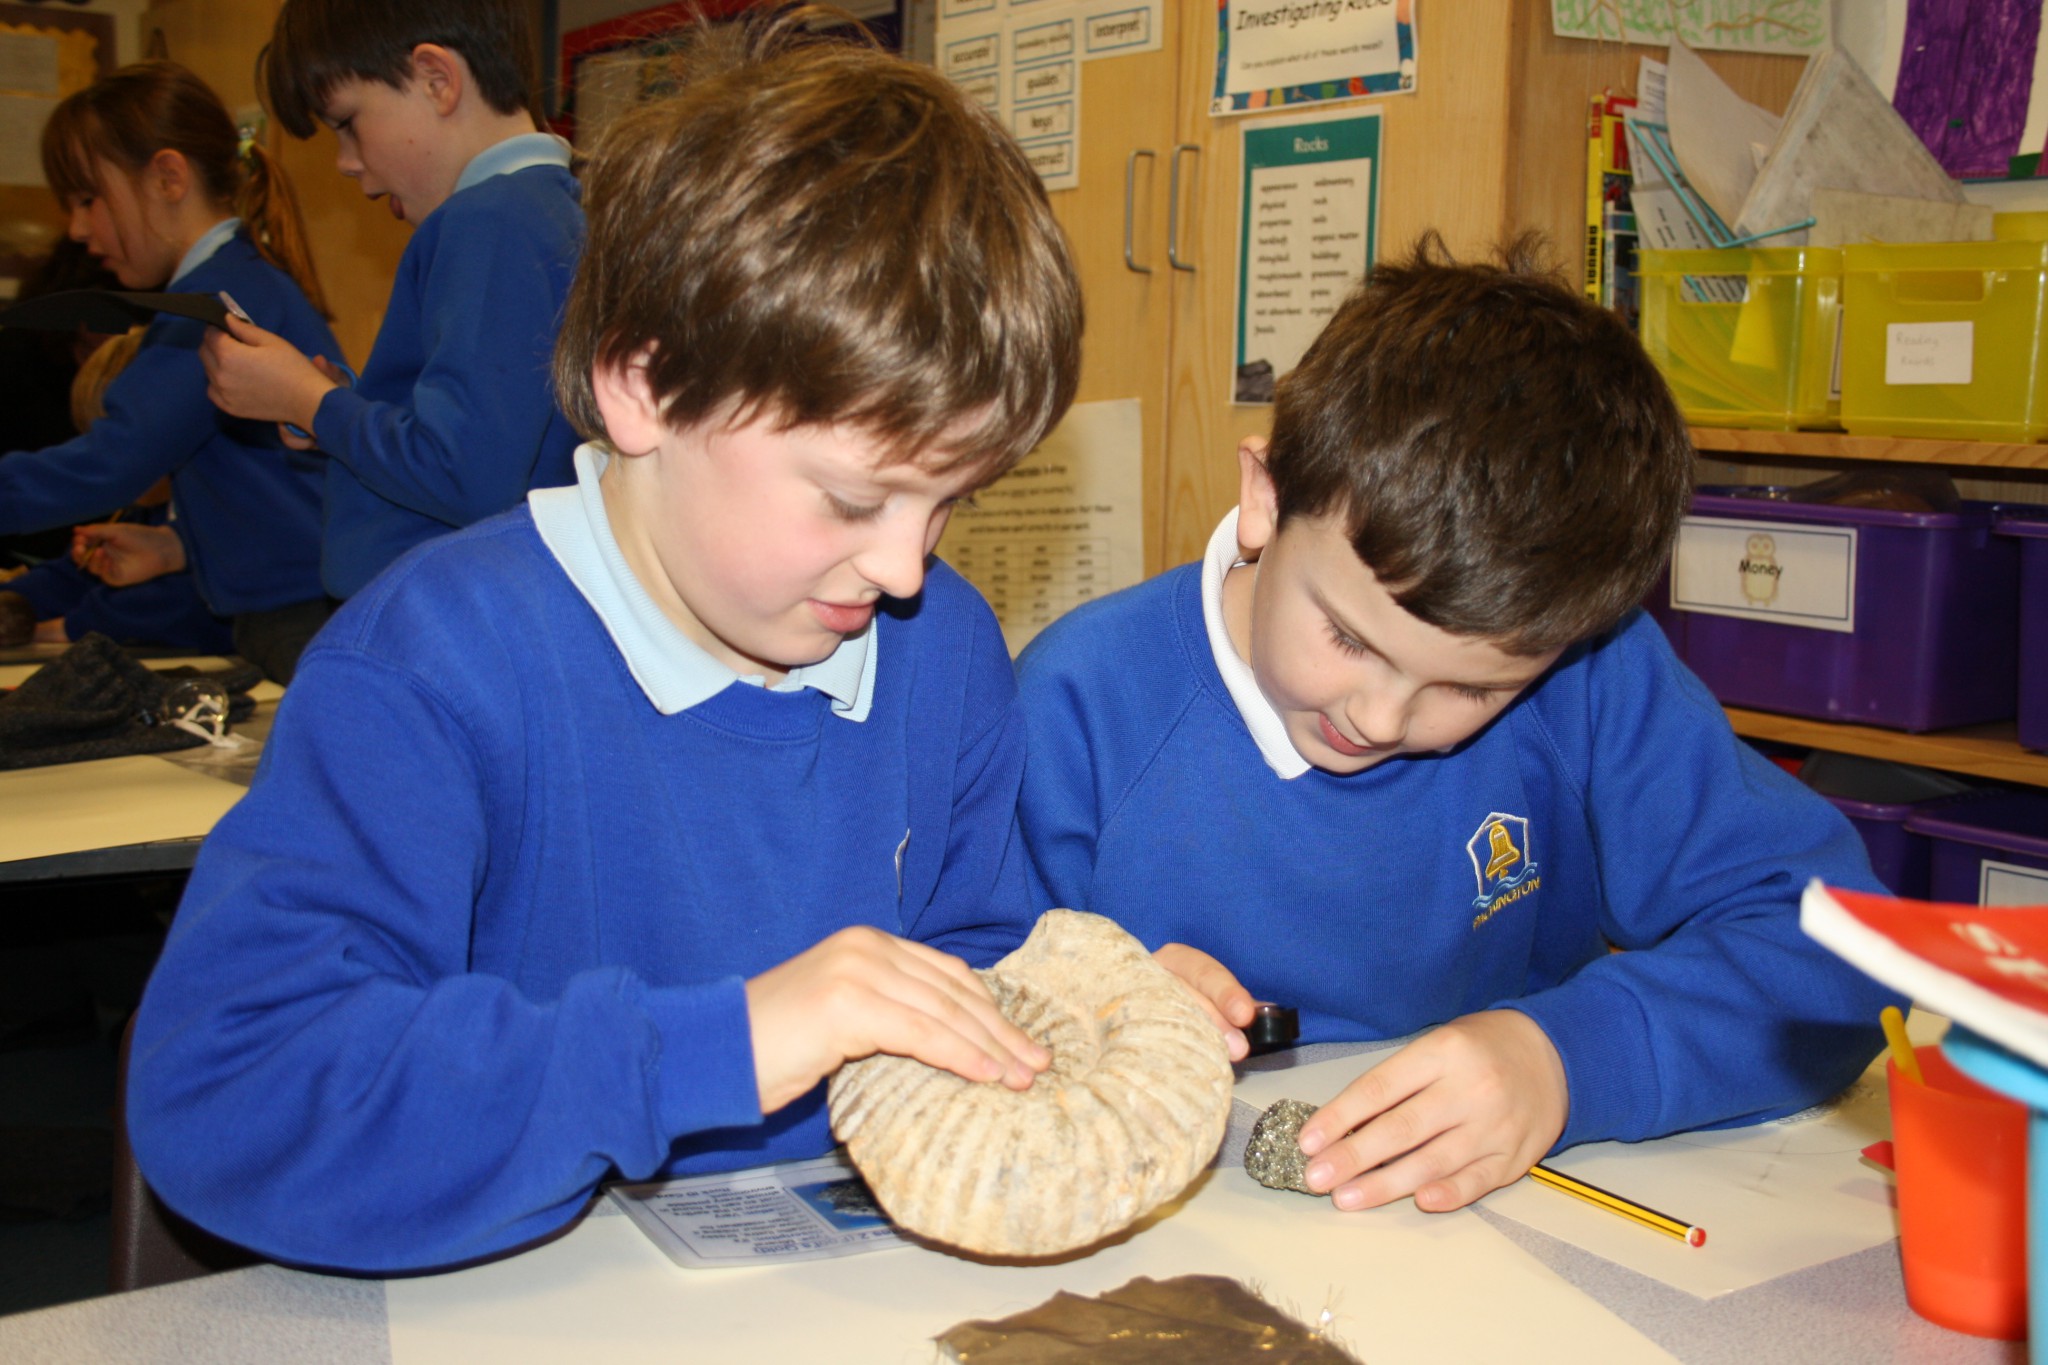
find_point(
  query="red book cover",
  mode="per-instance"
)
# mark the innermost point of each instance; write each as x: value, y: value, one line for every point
x: 1982, y: 966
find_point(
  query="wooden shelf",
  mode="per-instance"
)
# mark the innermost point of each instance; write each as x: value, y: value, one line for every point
x: 1835, y: 445
x: 1990, y: 751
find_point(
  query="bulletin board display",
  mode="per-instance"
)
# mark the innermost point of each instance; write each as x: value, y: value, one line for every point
x: 608, y: 65
x: 44, y: 56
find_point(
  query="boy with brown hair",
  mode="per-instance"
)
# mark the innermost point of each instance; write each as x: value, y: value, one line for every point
x: 433, y: 108
x: 590, y: 839
x: 1401, y: 754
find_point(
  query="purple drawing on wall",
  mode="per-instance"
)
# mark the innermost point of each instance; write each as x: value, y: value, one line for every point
x: 1966, y: 73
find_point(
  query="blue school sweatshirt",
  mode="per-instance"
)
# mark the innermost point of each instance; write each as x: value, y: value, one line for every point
x: 477, y: 936
x: 248, y: 509
x: 454, y: 417
x: 1608, y: 806
x: 165, y: 610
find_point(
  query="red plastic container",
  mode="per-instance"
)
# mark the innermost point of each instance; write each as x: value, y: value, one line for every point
x: 1961, y: 1154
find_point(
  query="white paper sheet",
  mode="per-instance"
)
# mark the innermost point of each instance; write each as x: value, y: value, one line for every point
x: 1064, y: 527
x: 1718, y: 136
x: 108, y: 803
x: 1400, y: 1286
x: 1774, y: 1198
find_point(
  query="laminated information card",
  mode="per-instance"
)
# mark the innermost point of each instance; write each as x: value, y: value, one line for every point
x: 797, y: 1211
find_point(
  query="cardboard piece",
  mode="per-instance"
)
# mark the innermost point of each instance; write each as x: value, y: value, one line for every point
x: 1849, y: 218
x: 108, y: 311
x: 1717, y: 135
x: 1839, y: 132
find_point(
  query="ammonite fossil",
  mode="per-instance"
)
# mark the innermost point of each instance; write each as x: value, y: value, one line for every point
x: 1132, y: 1107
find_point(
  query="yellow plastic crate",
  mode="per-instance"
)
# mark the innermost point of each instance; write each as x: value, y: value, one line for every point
x: 1745, y: 336
x: 1943, y: 339
x: 2026, y: 226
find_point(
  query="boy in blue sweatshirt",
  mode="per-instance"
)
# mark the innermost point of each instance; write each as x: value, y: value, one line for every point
x: 431, y: 103
x: 590, y: 839
x: 1400, y: 752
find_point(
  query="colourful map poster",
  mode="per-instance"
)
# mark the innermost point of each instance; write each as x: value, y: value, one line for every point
x: 1795, y: 26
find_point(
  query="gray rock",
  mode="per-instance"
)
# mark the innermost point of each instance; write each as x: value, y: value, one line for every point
x: 1273, y: 1155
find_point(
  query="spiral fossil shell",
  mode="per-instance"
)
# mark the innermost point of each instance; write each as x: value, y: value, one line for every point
x: 1131, y: 1109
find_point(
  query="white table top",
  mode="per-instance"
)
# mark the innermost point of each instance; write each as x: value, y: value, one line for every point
x: 604, y: 1291
x: 141, y: 813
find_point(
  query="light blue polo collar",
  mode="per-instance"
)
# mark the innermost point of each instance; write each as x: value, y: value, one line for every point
x: 513, y: 154
x: 201, y: 251
x: 672, y: 669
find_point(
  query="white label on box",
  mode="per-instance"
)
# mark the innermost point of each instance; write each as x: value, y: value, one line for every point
x: 1929, y: 352
x: 2010, y: 884
x: 1766, y: 571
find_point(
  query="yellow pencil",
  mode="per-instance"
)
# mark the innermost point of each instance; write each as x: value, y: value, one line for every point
x: 1903, y: 1056
x: 1614, y: 1203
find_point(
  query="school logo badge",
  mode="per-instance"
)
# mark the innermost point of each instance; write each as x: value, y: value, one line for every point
x: 1503, y: 864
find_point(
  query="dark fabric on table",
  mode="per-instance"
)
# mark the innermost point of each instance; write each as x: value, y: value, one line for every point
x: 94, y: 701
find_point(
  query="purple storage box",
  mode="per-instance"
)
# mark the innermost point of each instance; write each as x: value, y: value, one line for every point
x: 2031, y: 528
x: 1990, y: 848
x: 1936, y: 611
x: 1902, y: 861
x: 1878, y: 798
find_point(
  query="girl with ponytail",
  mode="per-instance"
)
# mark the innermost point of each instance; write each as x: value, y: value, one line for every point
x: 165, y: 191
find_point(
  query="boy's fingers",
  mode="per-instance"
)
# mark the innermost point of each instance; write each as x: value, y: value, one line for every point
x: 950, y: 1036
x: 1365, y: 1101
x: 1438, y: 1174
x: 972, y: 1014
x: 1384, y: 1140
x: 1228, y: 1001
x: 939, y: 1006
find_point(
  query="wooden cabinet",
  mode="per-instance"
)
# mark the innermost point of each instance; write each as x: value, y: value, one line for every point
x: 1160, y: 331
x: 1490, y: 144
x: 1116, y: 223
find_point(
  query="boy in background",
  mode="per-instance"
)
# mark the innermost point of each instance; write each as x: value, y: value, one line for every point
x: 432, y: 105
x: 590, y: 839
x: 1401, y: 753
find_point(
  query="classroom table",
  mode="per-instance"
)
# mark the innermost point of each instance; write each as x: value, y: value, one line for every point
x: 140, y: 814
x: 1851, y: 1309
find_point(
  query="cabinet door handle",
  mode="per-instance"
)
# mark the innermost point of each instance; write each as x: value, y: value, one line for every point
x: 1130, y: 196
x: 1173, y: 209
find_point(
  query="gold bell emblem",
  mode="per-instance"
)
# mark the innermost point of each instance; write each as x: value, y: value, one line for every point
x: 1505, y: 854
